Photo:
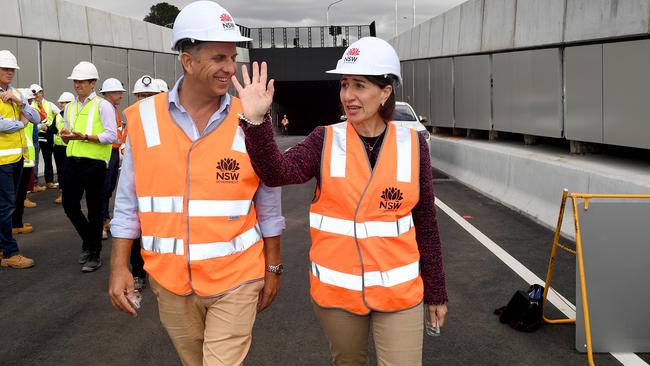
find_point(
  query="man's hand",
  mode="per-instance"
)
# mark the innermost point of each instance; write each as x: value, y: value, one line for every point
x: 269, y: 292
x: 66, y: 135
x: 8, y: 95
x: 256, y: 95
x: 120, y: 283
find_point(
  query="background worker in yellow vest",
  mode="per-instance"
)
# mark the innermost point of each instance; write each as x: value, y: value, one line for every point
x: 31, y: 137
x: 90, y: 130
x: 60, y: 146
x: 15, y: 114
x: 211, y: 248
x: 32, y: 183
x: 113, y: 90
x: 375, y: 257
x: 45, y: 136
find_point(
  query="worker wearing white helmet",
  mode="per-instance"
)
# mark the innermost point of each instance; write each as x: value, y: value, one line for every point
x: 59, y: 145
x: 90, y: 129
x: 196, y: 125
x: 391, y: 192
x: 15, y: 115
x: 113, y: 90
x: 48, y: 112
x: 145, y: 87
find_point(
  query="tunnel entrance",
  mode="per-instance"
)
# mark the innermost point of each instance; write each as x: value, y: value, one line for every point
x: 307, y: 104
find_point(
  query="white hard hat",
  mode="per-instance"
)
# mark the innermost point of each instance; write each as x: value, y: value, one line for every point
x: 162, y: 85
x: 84, y: 71
x: 66, y: 97
x: 205, y: 21
x: 8, y: 60
x: 26, y: 93
x: 369, y: 56
x: 35, y: 88
x: 112, y: 85
x: 145, y: 84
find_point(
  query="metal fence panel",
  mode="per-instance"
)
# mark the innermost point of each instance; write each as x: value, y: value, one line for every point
x: 140, y: 63
x: 421, y: 97
x: 584, y: 93
x: 442, y: 92
x: 112, y: 63
x: 58, y: 59
x: 164, y: 65
x: 26, y: 52
x: 472, y: 104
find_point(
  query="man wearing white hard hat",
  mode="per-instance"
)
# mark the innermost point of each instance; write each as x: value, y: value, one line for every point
x: 48, y: 112
x: 113, y: 90
x: 59, y: 145
x: 210, y: 230
x: 145, y: 87
x: 90, y: 129
x: 15, y: 114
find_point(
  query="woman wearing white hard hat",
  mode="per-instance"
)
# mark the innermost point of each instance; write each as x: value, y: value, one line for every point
x: 376, y: 253
x: 60, y: 146
x: 145, y: 87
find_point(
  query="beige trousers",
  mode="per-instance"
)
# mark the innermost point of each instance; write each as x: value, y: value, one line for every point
x: 397, y: 336
x: 210, y: 331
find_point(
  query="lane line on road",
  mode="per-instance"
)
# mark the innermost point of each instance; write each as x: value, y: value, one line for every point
x: 554, y: 297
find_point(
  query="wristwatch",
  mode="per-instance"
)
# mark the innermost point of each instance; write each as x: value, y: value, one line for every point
x: 277, y: 269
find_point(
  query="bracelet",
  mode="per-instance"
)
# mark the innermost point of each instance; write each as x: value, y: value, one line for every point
x: 243, y: 118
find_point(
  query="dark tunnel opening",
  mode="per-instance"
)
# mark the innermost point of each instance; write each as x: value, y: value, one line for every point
x: 307, y: 104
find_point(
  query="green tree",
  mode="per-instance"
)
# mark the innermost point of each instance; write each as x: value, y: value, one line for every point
x: 162, y: 14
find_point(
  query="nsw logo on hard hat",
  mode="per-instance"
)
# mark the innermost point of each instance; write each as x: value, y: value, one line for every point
x: 227, y: 22
x: 391, y: 198
x: 351, y: 56
x: 227, y: 171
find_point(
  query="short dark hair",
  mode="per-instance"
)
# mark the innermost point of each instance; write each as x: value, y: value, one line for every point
x: 188, y: 45
x: 385, y: 111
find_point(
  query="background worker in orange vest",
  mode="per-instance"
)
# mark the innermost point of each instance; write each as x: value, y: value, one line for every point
x: 285, y: 125
x: 113, y: 91
x: 15, y: 114
x: 376, y: 253
x: 210, y: 230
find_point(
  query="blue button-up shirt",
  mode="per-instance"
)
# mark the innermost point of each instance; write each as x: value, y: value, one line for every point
x: 125, y: 223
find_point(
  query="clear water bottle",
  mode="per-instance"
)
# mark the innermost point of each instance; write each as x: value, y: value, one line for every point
x: 431, y: 329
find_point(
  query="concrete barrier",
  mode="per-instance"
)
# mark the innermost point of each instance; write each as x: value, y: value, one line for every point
x: 530, y: 180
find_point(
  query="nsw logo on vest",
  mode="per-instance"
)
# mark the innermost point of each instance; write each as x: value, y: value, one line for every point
x: 391, y: 198
x: 352, y: 56
x: 227, y: 22
x: 227, y: 171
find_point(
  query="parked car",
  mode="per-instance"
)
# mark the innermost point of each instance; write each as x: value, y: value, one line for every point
x: 404, y: 115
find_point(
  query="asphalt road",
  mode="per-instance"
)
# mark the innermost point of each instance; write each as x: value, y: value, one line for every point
x: 54, y: 314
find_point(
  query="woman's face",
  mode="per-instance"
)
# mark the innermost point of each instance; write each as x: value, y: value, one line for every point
x: 361, y: 99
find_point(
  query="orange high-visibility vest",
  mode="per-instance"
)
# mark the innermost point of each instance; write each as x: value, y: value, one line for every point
x: 195, y: 202
x: 121, y: 133
x: 364, y: 255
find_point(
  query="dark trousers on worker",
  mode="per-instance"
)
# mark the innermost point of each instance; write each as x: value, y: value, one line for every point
x: 111, y: 181
x: 21, y: 194
x: 85, y: 175
x: 137, y: 263
x: 9, y: 180
x: 59, y: 159
x: 47, y: 148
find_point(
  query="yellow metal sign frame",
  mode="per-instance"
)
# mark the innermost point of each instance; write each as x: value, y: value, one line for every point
x: 578, y: 252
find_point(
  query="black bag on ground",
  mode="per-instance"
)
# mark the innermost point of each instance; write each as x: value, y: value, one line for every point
x: 524, y: 310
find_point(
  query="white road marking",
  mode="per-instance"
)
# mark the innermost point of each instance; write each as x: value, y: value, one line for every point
x: 554, y: 297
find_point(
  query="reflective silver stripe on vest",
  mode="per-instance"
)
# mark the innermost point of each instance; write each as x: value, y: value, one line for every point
x: 337, y: 158
x: 170, y: 204
x: 214, y: 208
x: 91, y: 116
x: 222, y: 249
x: 7, y: 152
x: 163, y: 245
x: 403, y: 154
x: 348, y: 281
x: 239, y: 142
x: 368, y: 229
x: 149, y: 122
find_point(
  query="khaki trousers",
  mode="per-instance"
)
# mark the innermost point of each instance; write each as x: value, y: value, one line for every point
x: 210, y: 331
x: 397, y: 336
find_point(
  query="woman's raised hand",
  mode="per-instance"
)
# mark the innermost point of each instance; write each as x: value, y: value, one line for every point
x: 256, y: 95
